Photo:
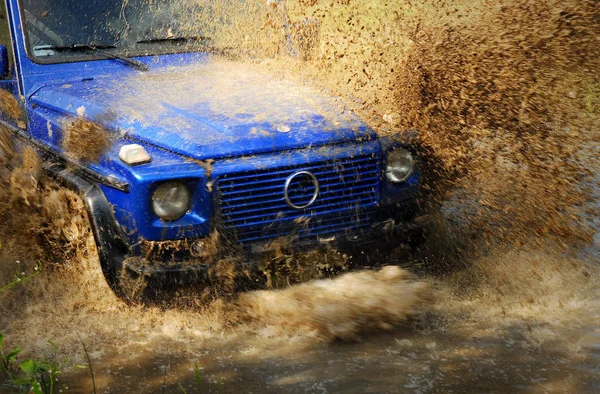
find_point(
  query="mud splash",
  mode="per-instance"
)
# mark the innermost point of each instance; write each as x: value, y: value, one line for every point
x: 501, y: 93
x: 9, y: 105
x: 341, y: 308
x: 77, y: 300
x: 507, y: 99
x: 85, y: 140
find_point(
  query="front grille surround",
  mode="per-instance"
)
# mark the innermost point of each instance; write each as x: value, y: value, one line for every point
x: 252, y: 204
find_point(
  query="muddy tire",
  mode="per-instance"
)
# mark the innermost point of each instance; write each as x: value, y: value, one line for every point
x: 131, y: 285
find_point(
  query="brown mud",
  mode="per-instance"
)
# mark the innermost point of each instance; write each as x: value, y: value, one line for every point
x: 10, y: 108
x: 84, y: 139
x: 505, y: 95
x: 9, y: 105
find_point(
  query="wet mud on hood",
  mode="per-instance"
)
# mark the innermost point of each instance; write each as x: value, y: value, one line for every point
x: 213, y: 110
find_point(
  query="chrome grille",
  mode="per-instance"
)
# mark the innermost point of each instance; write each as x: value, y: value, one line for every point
x: 253, y: 206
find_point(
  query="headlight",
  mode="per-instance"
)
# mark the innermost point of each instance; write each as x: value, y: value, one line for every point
x: 171, y: 200
x: 400, y: 165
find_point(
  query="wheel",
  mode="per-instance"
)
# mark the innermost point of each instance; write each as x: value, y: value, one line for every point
x: 131, y: 283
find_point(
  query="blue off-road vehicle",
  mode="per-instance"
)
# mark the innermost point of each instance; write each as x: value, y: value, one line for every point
x: 180, y: 154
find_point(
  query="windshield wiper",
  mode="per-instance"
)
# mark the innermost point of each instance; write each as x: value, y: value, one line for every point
x: 173, y: 39
x: 99, y: 48
x: 203, y: 47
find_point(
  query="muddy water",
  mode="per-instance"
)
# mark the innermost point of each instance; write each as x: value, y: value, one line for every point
x: 454, y: 358
x: 478, y: 341
x: 506, y: 294
x: 512, y: 320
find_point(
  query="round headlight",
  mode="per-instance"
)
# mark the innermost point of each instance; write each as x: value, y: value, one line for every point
x: 171, y: 200
x: 400, y: 165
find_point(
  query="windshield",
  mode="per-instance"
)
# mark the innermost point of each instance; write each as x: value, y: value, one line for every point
x: 134, y: 27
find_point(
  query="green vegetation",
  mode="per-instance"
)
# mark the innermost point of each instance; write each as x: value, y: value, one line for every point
x: 198, y: 377
x: 42, y: 376
x: 22, y: 277
x: 37, y: 376
x: 164, y: 385
x: 6, y: 361
x: 89, y: 361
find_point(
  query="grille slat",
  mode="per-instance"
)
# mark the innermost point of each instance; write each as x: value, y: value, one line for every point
x: 266, y: 197
x: 253, y: 205
x: 323, y: 230
x: 242, y: 206
x: 253, y: 184
x: 356, y: 163
x: 269, y: 217
x: 282, y: 213
x: 324, y: 178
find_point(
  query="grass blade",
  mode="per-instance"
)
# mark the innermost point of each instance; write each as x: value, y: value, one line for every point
x: 164, y: 385
x: 198, y: 377
x: 87, y: 355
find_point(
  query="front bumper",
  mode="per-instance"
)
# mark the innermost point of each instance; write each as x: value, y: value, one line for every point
x: 179, y: 265
x: 181, y: 261
x: 386, y: 234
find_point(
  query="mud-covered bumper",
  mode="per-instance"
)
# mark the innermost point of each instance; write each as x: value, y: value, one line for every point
x: 388, y: 234
x: 382, y: 235
x: 183, y: 262
x: 385, y: 234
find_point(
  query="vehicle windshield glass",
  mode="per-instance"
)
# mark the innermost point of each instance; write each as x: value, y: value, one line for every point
x: 128, y: 27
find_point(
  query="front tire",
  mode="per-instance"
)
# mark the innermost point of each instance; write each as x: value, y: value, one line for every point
x: 131, y: 285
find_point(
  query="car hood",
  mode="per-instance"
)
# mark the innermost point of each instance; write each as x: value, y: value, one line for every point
x: 213, y: 110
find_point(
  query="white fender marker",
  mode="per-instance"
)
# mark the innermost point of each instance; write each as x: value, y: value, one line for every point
x: 134, y: 154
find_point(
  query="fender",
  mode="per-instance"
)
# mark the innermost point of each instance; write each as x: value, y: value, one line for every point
x: 111, y: 245
x: 64, y: 159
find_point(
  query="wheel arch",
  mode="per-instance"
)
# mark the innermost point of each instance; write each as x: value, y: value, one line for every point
x: 110, y: 242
